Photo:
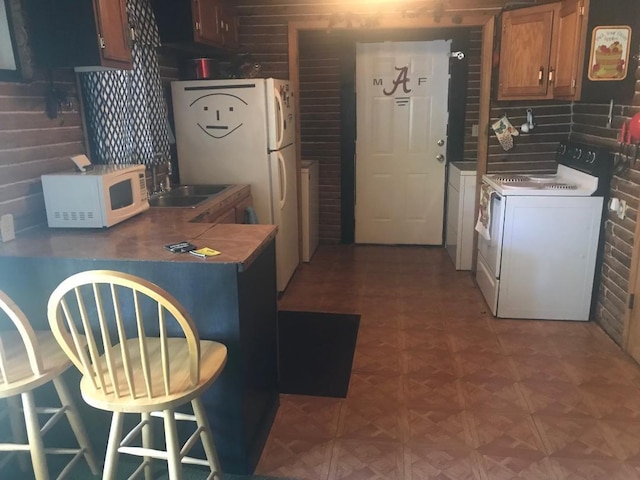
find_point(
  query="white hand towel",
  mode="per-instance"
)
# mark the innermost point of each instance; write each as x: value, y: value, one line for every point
x: 483, y: 224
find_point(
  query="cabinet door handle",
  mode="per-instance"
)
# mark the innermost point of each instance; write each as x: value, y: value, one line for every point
x: 551, y: 72
x: 540, y: 75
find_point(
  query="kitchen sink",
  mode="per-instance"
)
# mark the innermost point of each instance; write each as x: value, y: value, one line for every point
x: 186, y: 196
x: 166, y: 200
x: 190, y: 190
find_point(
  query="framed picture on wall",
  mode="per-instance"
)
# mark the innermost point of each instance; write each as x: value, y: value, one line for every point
x: 609, y: 58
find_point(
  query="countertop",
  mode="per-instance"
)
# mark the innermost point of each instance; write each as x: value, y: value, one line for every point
x: 143, y: 237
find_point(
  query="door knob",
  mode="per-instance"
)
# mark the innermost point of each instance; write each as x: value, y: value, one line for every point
x: 440, y: 158
x: 440, y: 142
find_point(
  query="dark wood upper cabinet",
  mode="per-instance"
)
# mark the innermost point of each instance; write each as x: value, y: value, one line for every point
x: 229, y: 26
x: 114, y: 32
x: 82, y: 33
x: 526, y: 47
x: 194, y: 25
x: 571, y: 49
x: 544, y: 51
x: 206, y: 22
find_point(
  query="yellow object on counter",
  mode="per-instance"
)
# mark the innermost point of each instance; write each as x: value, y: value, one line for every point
x: 204, y: 252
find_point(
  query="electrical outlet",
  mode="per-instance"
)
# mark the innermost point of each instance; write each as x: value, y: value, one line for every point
x: 622, y: 209
x: 474, y: 130
x: 7, y: 231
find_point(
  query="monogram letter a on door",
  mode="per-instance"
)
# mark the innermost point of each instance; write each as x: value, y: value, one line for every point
x: 401, y: 79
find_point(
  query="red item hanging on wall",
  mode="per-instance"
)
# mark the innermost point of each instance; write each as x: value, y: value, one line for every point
x: 633, y: 130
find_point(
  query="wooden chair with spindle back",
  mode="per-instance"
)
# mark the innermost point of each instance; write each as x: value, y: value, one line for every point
x: 29, y: 359
x: 142, y: 355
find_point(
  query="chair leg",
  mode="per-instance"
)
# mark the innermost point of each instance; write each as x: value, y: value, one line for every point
x: 111, y: 457
x: 38, y: 458
x: 147, y: 442
x: 173, y: 447
x: 207, y: 437
x: 17, y: 429
x: 76, y: 424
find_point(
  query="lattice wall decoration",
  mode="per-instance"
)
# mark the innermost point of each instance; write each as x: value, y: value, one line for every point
x: 125, y: 109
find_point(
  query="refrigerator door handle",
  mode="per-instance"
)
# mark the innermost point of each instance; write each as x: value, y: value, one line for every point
x: 279, y: 119
x: 282, y: 178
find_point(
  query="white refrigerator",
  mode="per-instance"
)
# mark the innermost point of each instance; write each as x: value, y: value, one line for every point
x: 243, y: 131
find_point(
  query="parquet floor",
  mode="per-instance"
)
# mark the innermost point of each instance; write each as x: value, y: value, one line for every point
x: 442, y: 390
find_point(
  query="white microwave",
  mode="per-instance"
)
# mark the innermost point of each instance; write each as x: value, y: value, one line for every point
x: 98, y: 197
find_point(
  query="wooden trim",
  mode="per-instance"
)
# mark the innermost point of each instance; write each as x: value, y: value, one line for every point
x: 486, y: 63
x: 485, y: 20
x: 447, y: 21
x: 294, y: 80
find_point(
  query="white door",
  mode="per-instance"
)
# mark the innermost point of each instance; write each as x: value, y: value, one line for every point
x: 402, y: 95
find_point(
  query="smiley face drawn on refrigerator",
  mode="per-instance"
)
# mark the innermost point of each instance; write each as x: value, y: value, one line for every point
x: 218, y: 114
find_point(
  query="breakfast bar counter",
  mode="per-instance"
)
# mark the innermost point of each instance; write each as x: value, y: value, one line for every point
x: 231, y: 297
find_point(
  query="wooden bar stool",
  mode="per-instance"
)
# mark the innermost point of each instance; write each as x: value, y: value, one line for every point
x: 142, y: 355
x: 29, y: 359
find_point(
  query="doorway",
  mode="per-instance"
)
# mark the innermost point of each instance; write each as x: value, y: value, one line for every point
x: 339, y: 195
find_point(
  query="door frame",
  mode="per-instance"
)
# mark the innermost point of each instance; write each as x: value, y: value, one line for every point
x: 485, y: 20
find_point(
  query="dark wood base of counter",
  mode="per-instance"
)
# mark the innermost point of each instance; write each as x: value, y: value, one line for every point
x: 233, y: 306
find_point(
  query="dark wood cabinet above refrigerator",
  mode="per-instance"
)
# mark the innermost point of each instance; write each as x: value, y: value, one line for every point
x: 81, y: 33
x: 194, y: 25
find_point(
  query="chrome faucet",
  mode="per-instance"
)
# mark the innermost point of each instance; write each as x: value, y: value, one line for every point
x: 154, y: 179
x: 159, y: 187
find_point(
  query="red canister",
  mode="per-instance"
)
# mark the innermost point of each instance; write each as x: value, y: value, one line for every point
x: 199, y: 69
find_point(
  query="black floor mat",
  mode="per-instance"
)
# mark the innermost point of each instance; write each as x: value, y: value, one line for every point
x: 315, y: 352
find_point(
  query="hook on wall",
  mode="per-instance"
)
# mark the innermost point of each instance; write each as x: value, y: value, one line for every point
x: 529, y: 124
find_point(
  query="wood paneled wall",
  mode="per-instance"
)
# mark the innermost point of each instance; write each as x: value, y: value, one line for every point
x: 473, y: 95
x: 590, y: 126
x: 31, y: 144
x: 319, y: 99
x: 534, y: 151
x: 263, y: 32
